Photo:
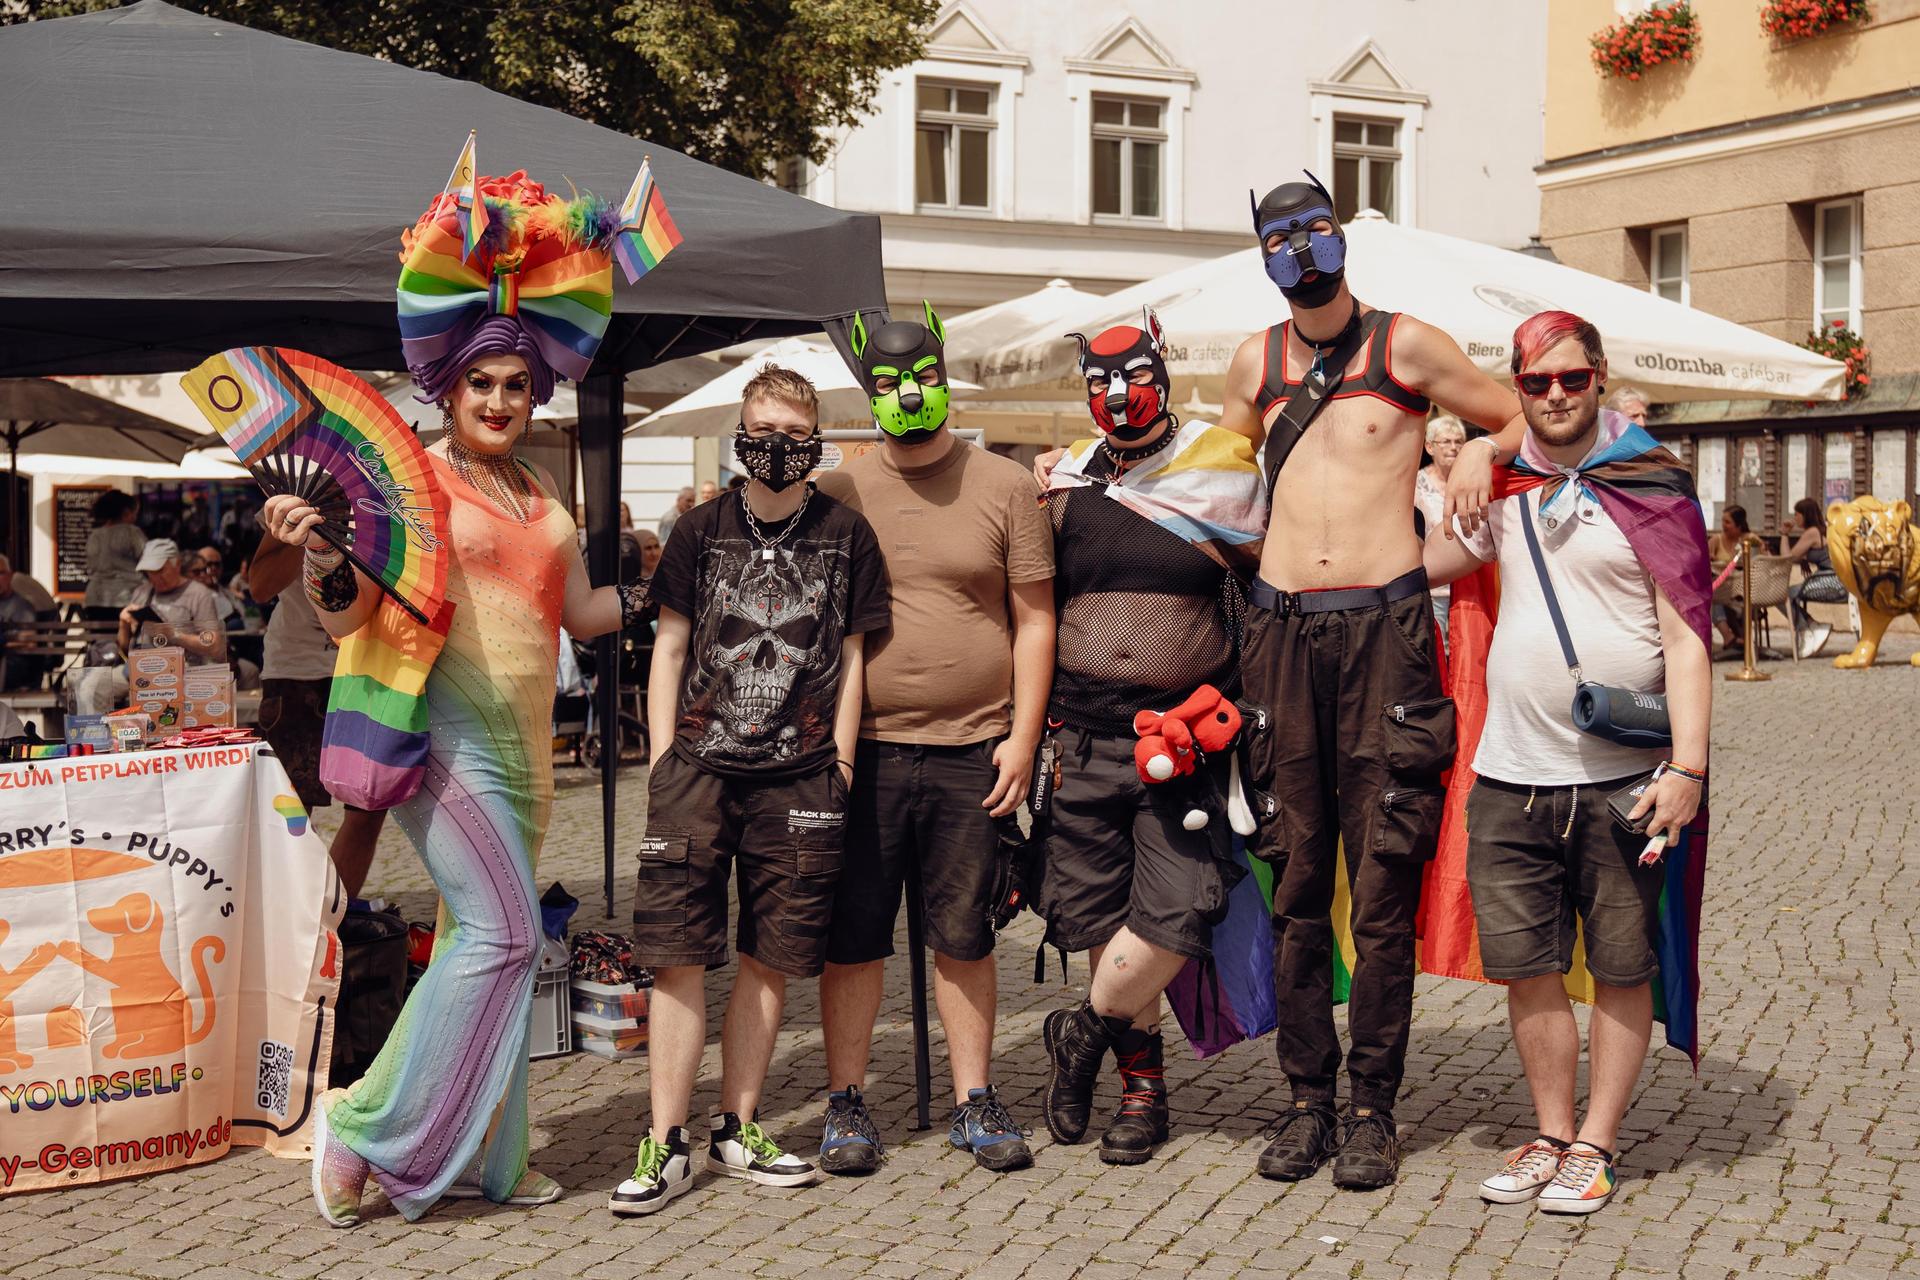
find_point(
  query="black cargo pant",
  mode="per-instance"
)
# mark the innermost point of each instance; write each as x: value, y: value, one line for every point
x: 1360, y: 738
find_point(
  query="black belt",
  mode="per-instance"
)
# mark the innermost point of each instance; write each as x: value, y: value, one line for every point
x: 1265, y: 596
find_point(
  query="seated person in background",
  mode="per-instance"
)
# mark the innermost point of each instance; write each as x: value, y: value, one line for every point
x: 172, y: 609
x: 1630, y: 401
x: 1804, y: 538
x: 1723, y: 546
x: 682, y: 503
x: 204, y: 566
x: 17, y: 670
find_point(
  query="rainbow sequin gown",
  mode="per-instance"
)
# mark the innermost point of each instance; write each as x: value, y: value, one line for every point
x: 450, y: 1085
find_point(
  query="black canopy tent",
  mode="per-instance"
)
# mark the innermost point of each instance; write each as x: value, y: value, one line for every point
x: 177, y: 185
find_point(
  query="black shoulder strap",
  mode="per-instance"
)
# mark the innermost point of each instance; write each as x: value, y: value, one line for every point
x: 1546, y: 588
x: 1322, y: 380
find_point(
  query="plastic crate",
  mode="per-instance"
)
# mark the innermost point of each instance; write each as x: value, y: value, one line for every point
x: 552, y: 1033
x: 609, y: 1002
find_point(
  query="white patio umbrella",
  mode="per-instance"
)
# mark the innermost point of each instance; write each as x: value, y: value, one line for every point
x: 217, y: 463
x: 1037, y: 315
x: 1475, y: 292
x: 714, y: 410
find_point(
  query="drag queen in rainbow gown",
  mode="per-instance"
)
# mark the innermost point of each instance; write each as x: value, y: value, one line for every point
x: 488, y: 317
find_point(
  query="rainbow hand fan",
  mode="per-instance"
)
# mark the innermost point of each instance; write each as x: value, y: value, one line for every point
x: 309, y: 428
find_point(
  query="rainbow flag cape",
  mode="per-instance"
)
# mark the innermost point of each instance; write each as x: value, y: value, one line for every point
x: 647, y: 233
x: 1205, y: 487
x: 1649, y: 494
x: 373, y: 752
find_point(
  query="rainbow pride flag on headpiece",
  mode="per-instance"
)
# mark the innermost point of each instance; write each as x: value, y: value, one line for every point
x: 647, y: 233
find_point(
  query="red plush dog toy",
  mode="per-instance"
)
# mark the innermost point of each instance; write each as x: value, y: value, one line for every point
x: 1206, y: 720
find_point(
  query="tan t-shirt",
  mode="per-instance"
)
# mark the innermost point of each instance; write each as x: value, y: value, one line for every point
x: 957, y: 534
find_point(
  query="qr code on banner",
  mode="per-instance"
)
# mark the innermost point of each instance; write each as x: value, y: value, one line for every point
x: 276, y: 1074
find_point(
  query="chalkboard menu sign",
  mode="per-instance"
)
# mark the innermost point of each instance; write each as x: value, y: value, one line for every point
x: 72, y: 525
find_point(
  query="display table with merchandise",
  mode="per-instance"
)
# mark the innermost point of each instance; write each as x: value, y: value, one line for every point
x: 168, y: 963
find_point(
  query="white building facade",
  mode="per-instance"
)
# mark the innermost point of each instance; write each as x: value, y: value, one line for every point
x: 1110, y: 143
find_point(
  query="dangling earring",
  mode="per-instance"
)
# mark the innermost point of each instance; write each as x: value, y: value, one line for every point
x: 526, y: 432
x: 446, y: 417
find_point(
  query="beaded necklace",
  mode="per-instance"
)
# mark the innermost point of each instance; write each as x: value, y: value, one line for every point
x: 495, y: 477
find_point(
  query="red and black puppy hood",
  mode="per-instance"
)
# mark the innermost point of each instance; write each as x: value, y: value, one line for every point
x: 1128, y: 388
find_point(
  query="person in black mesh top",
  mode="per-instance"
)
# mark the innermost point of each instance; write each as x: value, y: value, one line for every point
x: 1148, y: 522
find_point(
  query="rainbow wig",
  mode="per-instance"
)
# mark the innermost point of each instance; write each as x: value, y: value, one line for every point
x: 537, y: 283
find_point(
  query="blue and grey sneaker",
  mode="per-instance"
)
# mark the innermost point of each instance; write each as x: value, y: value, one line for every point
x: 981, y: 1125
x: 850, y: 1144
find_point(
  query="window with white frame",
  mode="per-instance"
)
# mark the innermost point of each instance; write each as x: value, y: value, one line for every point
x: 1667, y: 263
x: 1836, y: 264
x: 953, y: 146
x: 1366, y: 162
x: 1129, y: 143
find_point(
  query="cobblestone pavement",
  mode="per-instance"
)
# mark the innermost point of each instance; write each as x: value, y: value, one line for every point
x: 1783, y: 1158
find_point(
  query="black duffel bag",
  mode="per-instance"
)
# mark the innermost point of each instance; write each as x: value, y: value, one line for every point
x: 373, y: 986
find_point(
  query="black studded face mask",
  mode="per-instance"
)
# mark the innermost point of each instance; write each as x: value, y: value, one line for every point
x: 777, y: 461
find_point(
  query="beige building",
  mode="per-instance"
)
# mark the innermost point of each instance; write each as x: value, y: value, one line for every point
x: 1776, y: 184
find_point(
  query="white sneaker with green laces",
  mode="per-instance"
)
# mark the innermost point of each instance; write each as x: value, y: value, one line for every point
x: 741, y: 1149
x: 663, y: 1171
x: 1526, y: 1174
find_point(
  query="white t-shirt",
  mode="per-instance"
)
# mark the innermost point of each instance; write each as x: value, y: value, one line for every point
x: 1431, y: 501
x: 297, y: 647
x: 1607, y: 599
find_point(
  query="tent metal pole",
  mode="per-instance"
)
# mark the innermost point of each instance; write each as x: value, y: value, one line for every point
x: 601, y: 420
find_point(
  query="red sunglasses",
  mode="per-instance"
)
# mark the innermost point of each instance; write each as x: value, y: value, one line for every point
x: 1572, y: 381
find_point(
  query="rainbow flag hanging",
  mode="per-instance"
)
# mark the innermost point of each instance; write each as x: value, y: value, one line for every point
x: 373, y: 752
x: 647, y: 233
x: 462, y: 184
x: 1232, y: 999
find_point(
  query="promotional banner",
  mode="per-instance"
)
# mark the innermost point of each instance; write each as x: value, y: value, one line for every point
x: 168, y: 963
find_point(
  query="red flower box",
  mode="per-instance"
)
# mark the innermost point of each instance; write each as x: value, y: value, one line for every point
x: 1791, y: 20
x: 1663, y: 33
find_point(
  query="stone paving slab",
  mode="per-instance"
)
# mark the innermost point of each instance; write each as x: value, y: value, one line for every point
x: 1783, y: 1158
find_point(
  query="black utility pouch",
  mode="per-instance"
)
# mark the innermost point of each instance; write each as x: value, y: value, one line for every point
x: 1420, y: 737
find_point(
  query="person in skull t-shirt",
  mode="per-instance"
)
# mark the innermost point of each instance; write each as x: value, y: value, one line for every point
x: 766, y: 597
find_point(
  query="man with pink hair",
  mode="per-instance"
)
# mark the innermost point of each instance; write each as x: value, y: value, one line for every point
x: 1603, y: 591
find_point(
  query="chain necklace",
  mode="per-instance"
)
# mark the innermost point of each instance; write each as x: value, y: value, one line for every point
x: 495, y: 477
x: 791, y: 523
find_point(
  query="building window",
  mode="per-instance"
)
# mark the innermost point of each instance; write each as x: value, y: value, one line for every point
x: 1667, y: 263
x: 1129, y: 139
x: 1836, y: 264
x: 953, y: 146
x: 1366, y: 166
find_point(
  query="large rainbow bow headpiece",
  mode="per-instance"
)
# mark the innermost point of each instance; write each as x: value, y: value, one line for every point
x: 491, y: 246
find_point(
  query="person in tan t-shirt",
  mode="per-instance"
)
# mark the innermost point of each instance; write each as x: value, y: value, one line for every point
x: 956, y: 696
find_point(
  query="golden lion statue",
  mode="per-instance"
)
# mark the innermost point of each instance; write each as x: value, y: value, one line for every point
x: 1876, y: 557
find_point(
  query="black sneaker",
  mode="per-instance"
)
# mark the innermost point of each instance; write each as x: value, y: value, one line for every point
x: 1369, y: 1155
x: 1077, y: 1041
x: 850, y: 1144
x: 1140, y: 1124
x: 1303, y: 1138
x: 740, y: 1148
x: 983, y: 1126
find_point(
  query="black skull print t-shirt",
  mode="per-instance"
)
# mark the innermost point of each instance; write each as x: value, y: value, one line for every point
x: 762, y: 676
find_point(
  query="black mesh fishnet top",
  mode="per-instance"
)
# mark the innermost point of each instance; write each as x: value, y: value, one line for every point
x: 1144, y: 616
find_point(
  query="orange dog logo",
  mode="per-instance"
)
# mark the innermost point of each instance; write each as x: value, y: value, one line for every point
x: 151, y: 1013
